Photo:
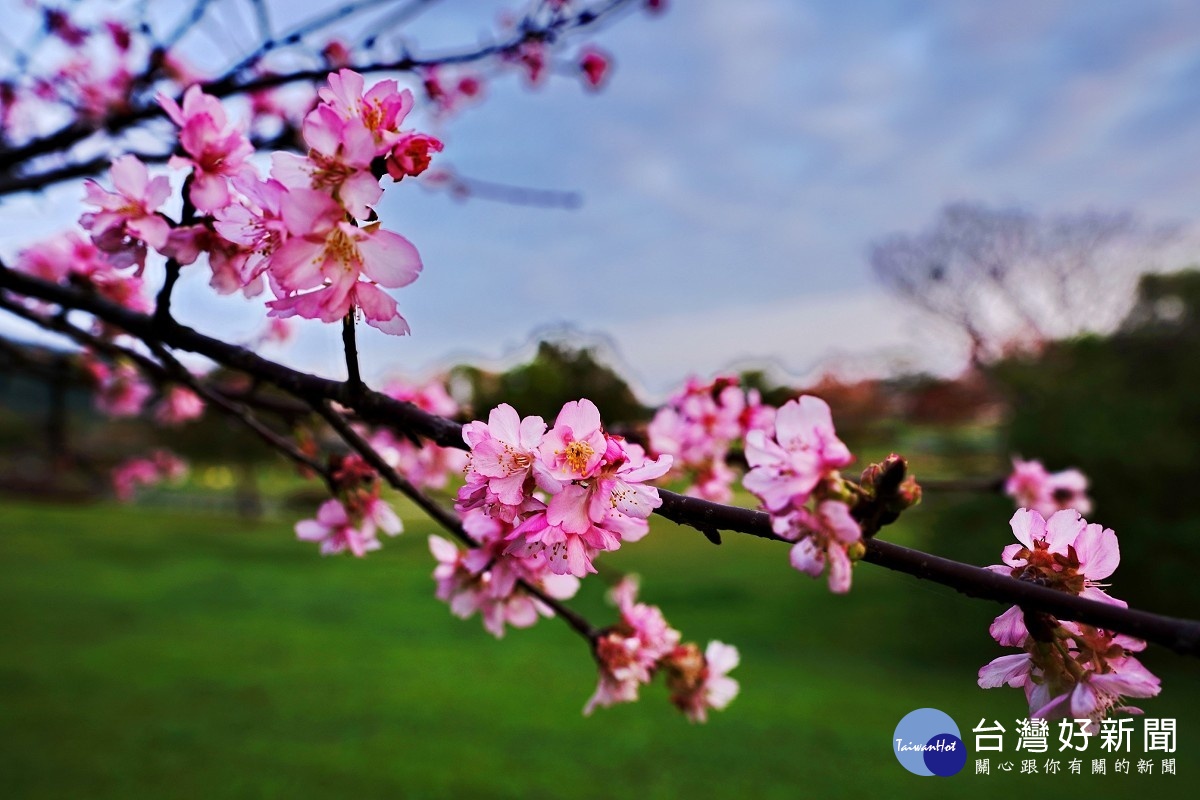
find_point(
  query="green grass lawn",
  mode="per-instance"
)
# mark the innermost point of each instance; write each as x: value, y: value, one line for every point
x: 145, y: 653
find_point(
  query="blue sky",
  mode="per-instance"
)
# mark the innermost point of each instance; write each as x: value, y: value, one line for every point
x: 744, y: 155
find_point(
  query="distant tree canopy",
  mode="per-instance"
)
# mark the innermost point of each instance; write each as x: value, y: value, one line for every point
x: 559, y: 372
x: 1007, y: 279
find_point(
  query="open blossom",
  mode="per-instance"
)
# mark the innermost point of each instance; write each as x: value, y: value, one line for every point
x: 1085, y: 675
x: 574, y: 447
x: 629, y: 652
x: 380, y: 110
x: 698, y: 427
x: 128, y: 221
x: 216, y: 151
x: 1045, y: 492
x: 1066, y: 668
x: 255, y: 223
x: 159, y: 466
x: 427, y: 465
x: 797, y: 464
x: 500, y: 470
x: 179, y: 405
x: 481, y: 580
x: 828, y: 534
x: 585, y: 517
x: 120, y: 390
x: 336, y: 532
x: 700, y: 681
x: 787, y: 467
x: 1064, y: 552
x: 595, y: 482
x: 329, y: 255
x: 338, y: 162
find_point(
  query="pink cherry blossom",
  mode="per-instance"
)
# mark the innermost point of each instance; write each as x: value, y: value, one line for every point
x: 828, y: 535
x: 120, y: 390
x: 629, y: 653
x: 338, y: 162
x: 179, y: 405
x: 574, y: 447
x: 787, y: 467
x: 330, y: 255
x: 216, y: 150
x: 1033, y: 487
x: 67, y: 254
x: 381, y: 110
x: 127, y: 222
x: 698, y: 427
x: 1064, y: 552
x: 481, y: 580
x: 503, y: 453
x: 146, y: 471
x: 699, y: 682
x: 336, y: 532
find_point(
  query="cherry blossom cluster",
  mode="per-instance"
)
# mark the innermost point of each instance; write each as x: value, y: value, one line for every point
x: 352, y: 519
x: 426, y: 465
x: 794, y: 472
x: 309, y: 230
x: 1031, y: 486
x: 1066, y: 669
x: 699, y: 427
x: 642, y: 644
x: 569, y: 492
x: 484, y: 580
x: 159, y: 466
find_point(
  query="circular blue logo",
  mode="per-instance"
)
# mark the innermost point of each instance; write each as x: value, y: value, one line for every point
x: 927, y: 742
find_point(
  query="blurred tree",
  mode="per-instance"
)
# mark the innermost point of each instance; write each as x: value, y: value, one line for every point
x: 1008, y: 279
x: 558, y: 373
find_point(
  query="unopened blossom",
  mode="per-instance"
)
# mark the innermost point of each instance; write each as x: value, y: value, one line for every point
x: 1031, y: 486
x: 215, y: 150
x: 127, y: 221
x: 594, y: 65
x: 412, y: 155
x: 700, y: 681
x: 325, y: 256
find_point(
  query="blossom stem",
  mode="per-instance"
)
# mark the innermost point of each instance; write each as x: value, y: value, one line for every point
x: 350, y: 345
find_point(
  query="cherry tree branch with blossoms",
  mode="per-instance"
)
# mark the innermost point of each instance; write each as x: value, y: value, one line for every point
x: 706, y: 516
x: 540, y: 502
